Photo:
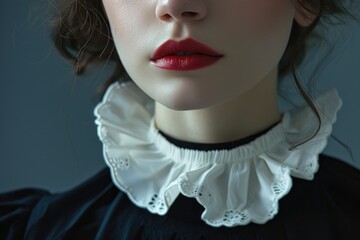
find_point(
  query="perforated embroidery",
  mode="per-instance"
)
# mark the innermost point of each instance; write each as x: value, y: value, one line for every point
x: 308, y: 170
x: 105, y: 138
x: 234, y: 217
x: 156, y: 204
x: 273, y: 211
x: 197, y: 191
x: 119, y: 163
x: 279, y: 188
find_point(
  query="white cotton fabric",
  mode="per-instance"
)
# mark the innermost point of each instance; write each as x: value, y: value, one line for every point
x: 234, y: 186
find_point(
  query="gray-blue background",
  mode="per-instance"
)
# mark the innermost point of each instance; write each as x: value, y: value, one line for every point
x: 47, y: 133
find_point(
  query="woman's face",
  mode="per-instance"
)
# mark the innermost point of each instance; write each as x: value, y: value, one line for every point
x: 251, y: 36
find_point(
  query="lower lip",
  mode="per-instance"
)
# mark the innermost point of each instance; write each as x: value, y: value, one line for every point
x: 185, y: 63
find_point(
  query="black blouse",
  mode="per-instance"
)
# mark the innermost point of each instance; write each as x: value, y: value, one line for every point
x: 327, y: 207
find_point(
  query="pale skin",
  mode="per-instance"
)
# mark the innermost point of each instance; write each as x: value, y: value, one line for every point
x: 232, y: 99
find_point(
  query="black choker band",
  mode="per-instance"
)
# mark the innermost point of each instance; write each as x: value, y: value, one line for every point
x: 215, y: 146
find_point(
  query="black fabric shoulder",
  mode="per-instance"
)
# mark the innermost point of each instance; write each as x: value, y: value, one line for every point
x: 16, y: 209
x: 325, y: 208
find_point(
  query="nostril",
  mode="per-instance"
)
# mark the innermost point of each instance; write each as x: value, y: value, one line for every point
x: 184, y: 15
x: 166, y: 17
x: 181, y: 10
x: 189, y: 14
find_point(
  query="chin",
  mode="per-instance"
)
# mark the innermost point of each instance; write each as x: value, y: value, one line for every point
x: 185, y: 96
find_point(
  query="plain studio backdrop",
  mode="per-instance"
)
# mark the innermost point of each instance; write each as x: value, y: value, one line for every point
x: 47, y: 133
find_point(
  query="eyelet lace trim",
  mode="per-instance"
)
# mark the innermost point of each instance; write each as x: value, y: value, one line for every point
x: 153, y: 172
x: 199, y: 192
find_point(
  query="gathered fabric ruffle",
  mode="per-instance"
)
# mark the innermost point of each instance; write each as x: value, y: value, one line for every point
x: 235, y: 186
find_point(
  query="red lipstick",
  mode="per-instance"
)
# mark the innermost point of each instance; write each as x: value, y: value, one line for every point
x: 184, y: 55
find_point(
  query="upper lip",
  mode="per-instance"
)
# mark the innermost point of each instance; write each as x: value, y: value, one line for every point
x: 188, y: 45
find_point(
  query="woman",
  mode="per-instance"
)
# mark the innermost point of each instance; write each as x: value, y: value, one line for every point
x: 195, y: 143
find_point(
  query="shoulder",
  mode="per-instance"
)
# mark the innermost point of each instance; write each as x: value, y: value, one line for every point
x: 328, y: 203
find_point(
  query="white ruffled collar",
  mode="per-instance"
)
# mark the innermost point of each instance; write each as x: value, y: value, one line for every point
x: 234, y: 186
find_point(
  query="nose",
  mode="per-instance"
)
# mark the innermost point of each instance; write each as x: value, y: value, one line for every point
x: 181, y: 10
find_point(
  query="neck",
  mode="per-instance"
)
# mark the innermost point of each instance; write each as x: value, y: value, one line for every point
x: 249, y: 113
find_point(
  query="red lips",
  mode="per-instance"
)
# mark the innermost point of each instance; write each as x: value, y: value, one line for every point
x: 184, y: 55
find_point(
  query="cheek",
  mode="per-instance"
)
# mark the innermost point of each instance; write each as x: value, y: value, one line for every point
x: 128, y: 18
x: 258, y: 34
x: 260, y: 22
x: 118, y: 14
x: 263, y: 25
x: 254, y: 15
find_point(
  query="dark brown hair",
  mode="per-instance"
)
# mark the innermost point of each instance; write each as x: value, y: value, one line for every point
x: 80, y: 31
